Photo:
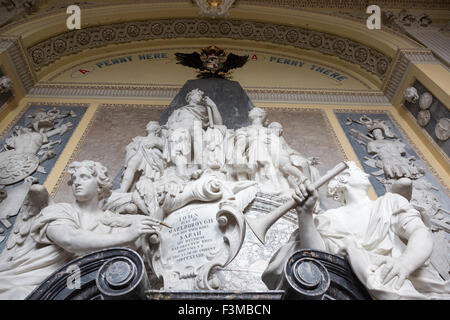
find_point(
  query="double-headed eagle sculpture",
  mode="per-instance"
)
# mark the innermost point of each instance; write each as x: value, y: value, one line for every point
x: 212, y: 62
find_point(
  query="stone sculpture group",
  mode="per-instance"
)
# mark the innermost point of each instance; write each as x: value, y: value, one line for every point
x: 181, y: 201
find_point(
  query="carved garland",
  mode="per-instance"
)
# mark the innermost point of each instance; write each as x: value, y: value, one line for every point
x: 50, y: 50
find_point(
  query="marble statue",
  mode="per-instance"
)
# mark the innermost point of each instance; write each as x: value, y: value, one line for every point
x: 391, y: 154
x: 144, y: 157
x: 289, y: 161
x: 200, y: 112
x: 385, y: 241
x: 202, y: 177
x: 252, y: 149
x: 263, y: 155
x: 421, y: 196
x: 401, y: 173
x: 214, y: 147
x: 192, y: 175
x: 411, y: 95
x: 47, y: 235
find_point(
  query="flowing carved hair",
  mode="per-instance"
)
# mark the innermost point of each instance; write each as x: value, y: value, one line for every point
x: 97, y: 170
x: 337, y: 185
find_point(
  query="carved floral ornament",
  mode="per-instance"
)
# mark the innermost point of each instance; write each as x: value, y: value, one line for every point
x: 50, y: 50
x: 214, y: 8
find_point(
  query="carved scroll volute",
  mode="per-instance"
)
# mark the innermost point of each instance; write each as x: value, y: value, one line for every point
x: 232, y: 225
x: 150, y: 245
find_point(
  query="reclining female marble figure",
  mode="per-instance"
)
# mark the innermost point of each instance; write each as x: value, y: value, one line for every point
x: 385, y: 241
x: 62, y: 231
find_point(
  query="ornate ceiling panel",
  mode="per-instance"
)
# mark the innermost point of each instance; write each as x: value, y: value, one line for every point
x: 48, y: 51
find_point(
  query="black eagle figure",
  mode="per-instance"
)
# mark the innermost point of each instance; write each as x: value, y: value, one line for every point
x: 212, y: 62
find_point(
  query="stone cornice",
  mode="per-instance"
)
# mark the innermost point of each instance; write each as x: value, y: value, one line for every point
x: 399, y: 68
x: 257, y: 95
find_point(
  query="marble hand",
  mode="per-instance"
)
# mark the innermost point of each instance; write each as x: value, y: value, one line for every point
x: 142, y: 226
x: 207, y: 100
x: 305, y: 196
x: 391, y: 268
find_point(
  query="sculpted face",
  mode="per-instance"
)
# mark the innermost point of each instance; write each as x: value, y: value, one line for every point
x: 152, y: 127
x: 378, y: 134
x: 84, y: 185
x: 276, y: 128
x: 195, y: 96
x: 358, y: 178
x: 257, y: 116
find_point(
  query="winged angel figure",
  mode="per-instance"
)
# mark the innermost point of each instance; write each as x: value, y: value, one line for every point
x: 212, y: 62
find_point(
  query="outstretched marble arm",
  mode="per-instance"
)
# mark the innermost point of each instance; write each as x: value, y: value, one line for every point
x: 81, y: 241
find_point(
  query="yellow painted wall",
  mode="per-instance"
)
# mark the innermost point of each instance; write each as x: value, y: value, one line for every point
x: 158, y: 66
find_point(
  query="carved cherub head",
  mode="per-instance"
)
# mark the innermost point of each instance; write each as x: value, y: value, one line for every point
x: 411, y: 95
